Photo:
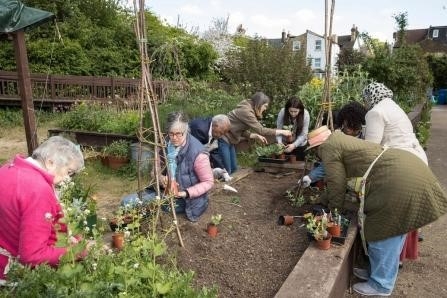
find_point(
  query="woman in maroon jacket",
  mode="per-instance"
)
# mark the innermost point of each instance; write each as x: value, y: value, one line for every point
x: 29, y: 207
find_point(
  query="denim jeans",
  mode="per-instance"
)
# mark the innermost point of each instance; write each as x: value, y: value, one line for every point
x: 228, y: 155
x: 192, y: 208
x: 384, y: 262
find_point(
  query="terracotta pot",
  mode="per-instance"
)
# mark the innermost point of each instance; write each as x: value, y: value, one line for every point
x: 320, y: 184
x: 118, y: 240
x: 324, y: 244
x: 212, y: 230
x: 334, y: 229
x: 115, y: 162
x: 285, y: 220
x: 281, y: 156
x: 292, y: 158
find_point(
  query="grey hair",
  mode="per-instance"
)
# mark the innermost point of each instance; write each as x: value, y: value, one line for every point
x: 60, y: 151
x: 258, y: 100
x: 177, y: 119
x: 221, y: 120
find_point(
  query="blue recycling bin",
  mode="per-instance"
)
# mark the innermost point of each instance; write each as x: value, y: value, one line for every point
x: 442, y: 94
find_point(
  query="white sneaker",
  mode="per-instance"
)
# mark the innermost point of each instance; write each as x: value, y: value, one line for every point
x: 361, y: 273
x: 363, y: 288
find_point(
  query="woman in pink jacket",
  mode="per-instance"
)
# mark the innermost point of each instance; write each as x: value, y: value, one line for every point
x: 29, y: 207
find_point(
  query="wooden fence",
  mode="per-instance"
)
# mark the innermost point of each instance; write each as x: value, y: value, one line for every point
x: 54, y: 90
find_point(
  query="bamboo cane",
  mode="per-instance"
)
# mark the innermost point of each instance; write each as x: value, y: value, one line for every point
x: 147, y: 93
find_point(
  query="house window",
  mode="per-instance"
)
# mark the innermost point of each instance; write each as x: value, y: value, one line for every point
x: 435, y: 33
x: 317, y: 63
x: 318, y: 45
x: 296, y: 45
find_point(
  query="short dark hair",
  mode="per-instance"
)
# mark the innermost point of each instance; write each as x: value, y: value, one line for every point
x: 353, y: 114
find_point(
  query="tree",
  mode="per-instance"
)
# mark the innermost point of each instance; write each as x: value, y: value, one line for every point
x: 279, y: 72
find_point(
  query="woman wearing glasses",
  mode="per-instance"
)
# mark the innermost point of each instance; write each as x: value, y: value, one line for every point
x: 29, y: 207
x: 188, y: 165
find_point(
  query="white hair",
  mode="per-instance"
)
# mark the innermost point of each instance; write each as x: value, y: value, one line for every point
x: 61, y: 152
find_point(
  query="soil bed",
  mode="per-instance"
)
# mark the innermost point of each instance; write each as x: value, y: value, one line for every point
x: 252, y: 255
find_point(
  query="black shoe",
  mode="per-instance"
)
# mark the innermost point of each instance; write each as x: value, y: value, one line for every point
x: 401, y: 265
x: 420, y: 238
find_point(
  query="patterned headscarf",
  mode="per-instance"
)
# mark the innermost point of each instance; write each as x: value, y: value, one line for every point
x: 374, y: 93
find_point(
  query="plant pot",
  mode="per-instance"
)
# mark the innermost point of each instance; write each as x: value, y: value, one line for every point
x: 324, y: 244
x: 292, y: 158
x: 334, y: 229
x: 118, y: 240
x: 281, y: 156
x: 320, y: 184
x: 285, y: 220
x: 289, y: 139
x: 116, y: 162
x: 212, y: 230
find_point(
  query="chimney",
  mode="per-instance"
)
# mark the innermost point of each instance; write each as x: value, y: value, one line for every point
x: 353, y: 32
x: 283, y: 36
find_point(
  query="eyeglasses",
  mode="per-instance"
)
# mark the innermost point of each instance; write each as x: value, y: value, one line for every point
x: 176, y: 134
x: 71, y: 173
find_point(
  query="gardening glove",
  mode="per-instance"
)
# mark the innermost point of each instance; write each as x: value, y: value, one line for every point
x: 213, y: 145
x: 305, y: 181
x: 227, y: 177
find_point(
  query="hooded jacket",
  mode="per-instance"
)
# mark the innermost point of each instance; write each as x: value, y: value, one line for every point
x: 401, y: 194
x: 243, y: 121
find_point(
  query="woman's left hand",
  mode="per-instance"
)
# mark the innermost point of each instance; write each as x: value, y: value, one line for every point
x: 289, y: 148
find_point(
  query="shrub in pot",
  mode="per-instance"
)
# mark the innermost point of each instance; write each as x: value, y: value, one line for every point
x: 116, y: 154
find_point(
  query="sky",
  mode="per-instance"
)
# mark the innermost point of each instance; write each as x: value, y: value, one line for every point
x: 267, y: 18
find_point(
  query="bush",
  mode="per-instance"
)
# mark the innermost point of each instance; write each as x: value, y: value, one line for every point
x: 90, y: 117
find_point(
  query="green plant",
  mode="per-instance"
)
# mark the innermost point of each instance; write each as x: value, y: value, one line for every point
x: 235, y: 200
x: 143, y: 268
x: 317, y: 225
x: 119, y: 148
x: 91, y: 117
x: 296, y: 199
x: 216, y: 219
x: 78, y: 194
x: 269, y: 149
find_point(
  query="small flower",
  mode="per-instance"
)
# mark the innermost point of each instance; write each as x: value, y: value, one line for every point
x: 135, y: 266
x: 48, y: 216
x: 127, y: 234
x: 94, y: 265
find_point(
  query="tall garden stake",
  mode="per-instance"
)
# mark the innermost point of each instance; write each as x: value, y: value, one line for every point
x: 326, y: 103
x: 147, y: 95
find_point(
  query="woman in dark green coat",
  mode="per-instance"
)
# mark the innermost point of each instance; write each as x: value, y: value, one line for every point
x: 401, y: 194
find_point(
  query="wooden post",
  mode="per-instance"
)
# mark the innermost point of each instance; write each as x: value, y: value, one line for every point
x: 26, y: 94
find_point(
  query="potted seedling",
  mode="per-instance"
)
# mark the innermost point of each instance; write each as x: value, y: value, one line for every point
x: 212, y: 225
x: 116, y: 154
x: 334, y: 224
x: 317, y: 227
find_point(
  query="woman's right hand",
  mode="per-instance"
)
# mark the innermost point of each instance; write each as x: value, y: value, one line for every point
x: 164, y: 181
